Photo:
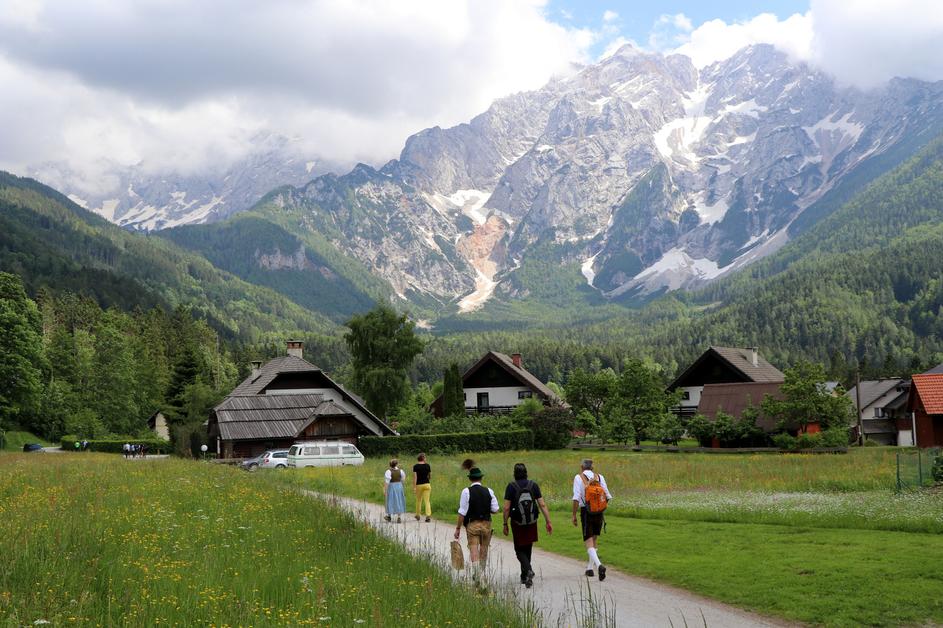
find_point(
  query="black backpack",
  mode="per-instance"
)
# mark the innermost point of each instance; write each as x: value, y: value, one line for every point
x: 524, y: 507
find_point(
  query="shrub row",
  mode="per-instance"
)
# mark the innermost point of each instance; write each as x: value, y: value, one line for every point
x: 834, y: 437
x: 154, y: 445
x: 446, y: 443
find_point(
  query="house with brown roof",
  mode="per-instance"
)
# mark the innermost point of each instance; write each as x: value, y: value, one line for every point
x: 288, y: 399
x: 733, y: 399
x: 924, y: 426
x: 499, y: 383
x: 722, y: 365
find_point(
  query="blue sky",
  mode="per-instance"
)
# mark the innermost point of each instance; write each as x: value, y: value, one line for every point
x: 636, y: 19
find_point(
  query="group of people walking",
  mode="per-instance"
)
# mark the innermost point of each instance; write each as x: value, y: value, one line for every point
x: 134, y: 450
x: 522, y: 504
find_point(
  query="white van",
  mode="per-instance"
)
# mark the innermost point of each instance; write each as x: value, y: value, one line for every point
x: 323, y: 454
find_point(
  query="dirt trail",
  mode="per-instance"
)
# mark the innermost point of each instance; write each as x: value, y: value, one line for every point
x: 561, y: 591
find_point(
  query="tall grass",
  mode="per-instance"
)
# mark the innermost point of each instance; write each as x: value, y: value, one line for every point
x: 848, y: 491
x: 100, y: 540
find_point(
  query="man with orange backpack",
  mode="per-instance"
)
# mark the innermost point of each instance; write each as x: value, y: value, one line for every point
x: 590, y: 497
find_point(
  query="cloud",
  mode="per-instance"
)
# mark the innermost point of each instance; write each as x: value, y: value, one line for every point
x: 867, y: 42
x: 180, y: 84
x: 716, y: 40
x: 609, y: 16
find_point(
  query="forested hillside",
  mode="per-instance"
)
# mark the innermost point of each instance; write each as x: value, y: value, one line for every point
x: 51, y: 242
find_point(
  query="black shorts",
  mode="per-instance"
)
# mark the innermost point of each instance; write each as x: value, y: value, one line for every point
x: 591, y: 524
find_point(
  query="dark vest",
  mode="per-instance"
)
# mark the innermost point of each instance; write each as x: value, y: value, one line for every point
x: 479, y: 504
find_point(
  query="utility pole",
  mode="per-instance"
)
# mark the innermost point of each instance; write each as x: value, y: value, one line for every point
x: 858, y: 405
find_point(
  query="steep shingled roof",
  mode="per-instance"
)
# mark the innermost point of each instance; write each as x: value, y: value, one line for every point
x: 930, y: 389
x: 873, y: 390
x: 255, y: 384
x: 741, y: 360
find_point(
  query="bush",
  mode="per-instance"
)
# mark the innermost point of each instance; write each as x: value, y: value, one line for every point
x: 446, y: 443
x: 835, y: 437
x: 785, y: 441
x: 936, y: 471
x: 809, y: 441
x: 700, y: 428
x: 154, y: 445
x: 553, y: 427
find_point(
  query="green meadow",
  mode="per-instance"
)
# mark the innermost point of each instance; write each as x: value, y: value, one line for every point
x: 820, y: 539
x: 94, y: 539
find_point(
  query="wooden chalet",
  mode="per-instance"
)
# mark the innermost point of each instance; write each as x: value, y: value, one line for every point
x: 924, y: 426
x: 722, y: 365
x: 286, y: 400
x: 499, y: 383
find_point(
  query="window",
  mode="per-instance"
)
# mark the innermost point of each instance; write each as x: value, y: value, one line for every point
x: 686, y: 395
x: 525, y: 394
x: 312, y: 451
x: 294, y: 450
x: 331, y: 450
x: 483, y: 400
x: 280, y: 454
x: 348, y: 450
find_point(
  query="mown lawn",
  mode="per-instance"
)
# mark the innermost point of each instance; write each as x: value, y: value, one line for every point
x: 100, y: 540
x: 814, y: 538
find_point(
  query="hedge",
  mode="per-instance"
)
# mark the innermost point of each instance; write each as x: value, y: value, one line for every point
x: 446, y: 443
x: 154, y: 445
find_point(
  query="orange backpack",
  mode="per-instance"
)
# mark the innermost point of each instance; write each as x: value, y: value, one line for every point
x: 595, y: 495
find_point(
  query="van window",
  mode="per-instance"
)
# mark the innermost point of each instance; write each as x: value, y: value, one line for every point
x: 294, y: 450
x: 349, y: 450
x: 331, y: 450
x: 312, y: 451
x: 280, y: 454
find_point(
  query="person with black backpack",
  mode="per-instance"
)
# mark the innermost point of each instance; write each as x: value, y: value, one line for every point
x: 522, y: 499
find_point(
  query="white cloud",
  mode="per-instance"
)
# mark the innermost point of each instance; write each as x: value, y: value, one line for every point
x: 716, y: 40
x: 187, y: 85
x: 867, y: 42
x: 609, y: 16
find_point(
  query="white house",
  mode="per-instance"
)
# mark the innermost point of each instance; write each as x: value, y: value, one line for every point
x: 499, y: 383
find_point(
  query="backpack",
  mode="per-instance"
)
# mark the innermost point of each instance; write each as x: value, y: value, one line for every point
x: 524, y: 508
x: 595, y: 495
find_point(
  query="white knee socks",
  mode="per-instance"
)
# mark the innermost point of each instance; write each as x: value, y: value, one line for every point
x: 593, y: 557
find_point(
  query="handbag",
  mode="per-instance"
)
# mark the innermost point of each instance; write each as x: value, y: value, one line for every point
x: 458, y: 556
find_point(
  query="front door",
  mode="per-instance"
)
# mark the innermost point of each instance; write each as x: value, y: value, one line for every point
x: 483, y: 402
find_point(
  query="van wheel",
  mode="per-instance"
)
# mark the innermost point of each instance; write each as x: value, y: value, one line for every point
x: 280, y: 466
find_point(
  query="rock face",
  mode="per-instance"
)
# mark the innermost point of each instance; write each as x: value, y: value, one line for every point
x: 646, y: 171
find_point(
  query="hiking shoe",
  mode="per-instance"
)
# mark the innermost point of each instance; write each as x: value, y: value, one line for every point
x: 417, y: 517
x: 529, y: 582
x: 387, y: 518
x: 602, y: 573
x: 399, y: 519
x: 428, y: 519
x: 589, y: 573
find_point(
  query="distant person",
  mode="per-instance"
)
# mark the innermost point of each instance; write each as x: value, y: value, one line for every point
x: 475, y: 507
x: 77, y: 445
x: 127, y: 450
x: 591, y: 497
x: 143, y: 450
x: 393, y: 492
x: 522, y: 499
x: 84, y: 445
x: 421, y: 474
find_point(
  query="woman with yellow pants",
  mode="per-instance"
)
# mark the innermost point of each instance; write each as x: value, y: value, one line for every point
x: 421, y: 473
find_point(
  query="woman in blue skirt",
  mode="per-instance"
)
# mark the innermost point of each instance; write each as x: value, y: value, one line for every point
x: 393, y: 491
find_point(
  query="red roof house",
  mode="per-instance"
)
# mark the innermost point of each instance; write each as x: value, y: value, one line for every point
x: 926, y: 404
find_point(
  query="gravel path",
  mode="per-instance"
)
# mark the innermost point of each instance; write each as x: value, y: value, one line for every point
x: 561, y: 593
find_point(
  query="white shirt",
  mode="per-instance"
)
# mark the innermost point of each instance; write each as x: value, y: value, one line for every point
x: 389, y: 475
x: 579, y: 487
x: 463, y: 501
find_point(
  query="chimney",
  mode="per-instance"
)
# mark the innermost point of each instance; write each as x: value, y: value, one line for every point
x: 256, y: 367
x: 516, y: 359
x: 754, y: 356
x: 296, y: 348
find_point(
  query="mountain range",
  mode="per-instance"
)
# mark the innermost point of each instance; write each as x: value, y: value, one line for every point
x: 637, y: 175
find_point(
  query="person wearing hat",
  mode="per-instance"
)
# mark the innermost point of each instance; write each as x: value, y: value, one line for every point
x: 475, y: 508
